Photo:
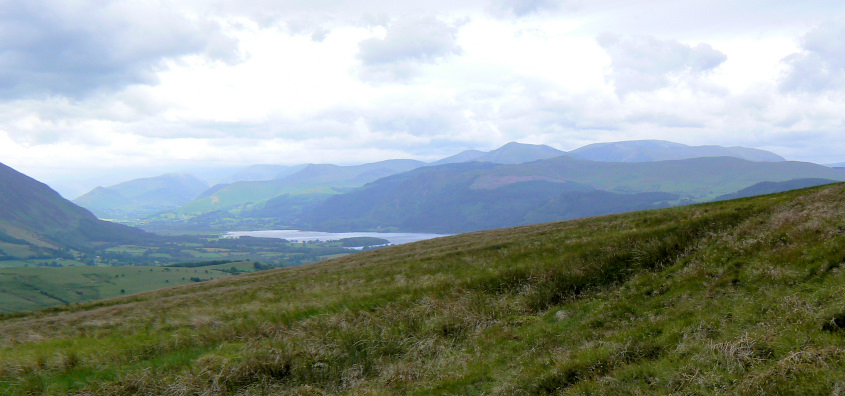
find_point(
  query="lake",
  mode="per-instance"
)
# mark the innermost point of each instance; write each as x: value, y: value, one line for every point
x: 395, y: 238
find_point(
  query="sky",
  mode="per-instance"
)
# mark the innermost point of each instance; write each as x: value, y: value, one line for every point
x: 98, y: 92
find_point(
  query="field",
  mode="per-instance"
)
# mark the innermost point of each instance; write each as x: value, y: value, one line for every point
x: 24, y: 289
x: 735, y: 297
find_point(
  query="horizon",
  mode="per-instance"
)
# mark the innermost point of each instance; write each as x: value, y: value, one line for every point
x: 212, y: 175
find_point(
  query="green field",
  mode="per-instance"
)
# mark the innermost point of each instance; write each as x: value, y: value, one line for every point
x: 735, y: 297
x: 24, y: 289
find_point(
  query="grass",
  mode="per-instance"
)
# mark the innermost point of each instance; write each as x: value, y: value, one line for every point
x: 736, y: 297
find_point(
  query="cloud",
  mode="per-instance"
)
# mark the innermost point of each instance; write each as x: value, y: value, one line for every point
x: 75, y: 48
x: 820, y: 66
x: 408, y: 43
x: 521, y: 8
x: 647, y: 64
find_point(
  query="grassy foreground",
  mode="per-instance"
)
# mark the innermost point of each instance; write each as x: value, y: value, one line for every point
x: 734, y: 297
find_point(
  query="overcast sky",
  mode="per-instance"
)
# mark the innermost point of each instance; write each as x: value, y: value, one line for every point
x: 139, y: 87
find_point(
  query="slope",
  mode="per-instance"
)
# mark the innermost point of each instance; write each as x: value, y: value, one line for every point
x: 661, y: 150
x: 734, y: 297
x: 142, y: 197
x: 32, y: 214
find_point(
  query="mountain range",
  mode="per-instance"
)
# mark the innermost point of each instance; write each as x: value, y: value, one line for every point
x: 473, y: 196
x: 521, y: 183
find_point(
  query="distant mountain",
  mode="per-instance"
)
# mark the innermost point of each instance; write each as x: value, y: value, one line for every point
x: 774, y: 187
x: 36, y: 220
x: 319, y: 179
x: 837, y: 165
x: 519, y: 153
x: 142, y: 197
x: 463, y: 156
x: 263, y: 172
x: 511, y: 153
x: 478, y: 195
x: 660, y: 150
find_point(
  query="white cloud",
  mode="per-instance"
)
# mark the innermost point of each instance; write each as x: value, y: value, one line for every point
x: 820, y: 65
x: 646, y: 63
x: 79, y: 47
x: 407, y: 43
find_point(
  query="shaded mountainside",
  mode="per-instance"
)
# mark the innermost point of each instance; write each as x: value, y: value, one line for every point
x: 660, y: 150
x: 474, y: 196
x: 734, y: 297
x: 33, y: 213
x: 142, y: 197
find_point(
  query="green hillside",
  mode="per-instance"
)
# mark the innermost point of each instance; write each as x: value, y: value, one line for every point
x: 734, y: 297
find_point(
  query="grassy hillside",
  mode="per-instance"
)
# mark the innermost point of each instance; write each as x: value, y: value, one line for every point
x: 735, y: 297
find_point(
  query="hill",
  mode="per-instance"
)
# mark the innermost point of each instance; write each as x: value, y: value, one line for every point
x: 474, y: 196
x: 37, y: 221
x: 142, y: 197
x: 661, y: 150
x: 734, y: 297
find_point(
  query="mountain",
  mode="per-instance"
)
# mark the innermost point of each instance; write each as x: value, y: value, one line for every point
x: 142, y: 197
x: 660, y: 150
x: 481, y: 195
x: 263, y: 172
x: 511, y: 153
x: 518, y: 153
x: 734, y: 297
x: 838, y: 165
x: 33, y: 217
x: 320, y: 179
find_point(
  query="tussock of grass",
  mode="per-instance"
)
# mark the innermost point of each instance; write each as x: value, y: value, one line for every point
x: 735, y: 297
